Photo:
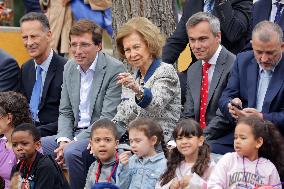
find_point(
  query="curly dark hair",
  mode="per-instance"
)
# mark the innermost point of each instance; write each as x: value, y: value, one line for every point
x: 273, y: 146
x: 15, y: 104
x: 187, y: 128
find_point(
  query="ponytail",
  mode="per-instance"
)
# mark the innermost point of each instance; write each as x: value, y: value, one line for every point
x: 203, y: 160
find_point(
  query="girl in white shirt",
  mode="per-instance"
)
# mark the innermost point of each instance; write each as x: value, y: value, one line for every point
x: 189, y: 164
x: 258, y: 144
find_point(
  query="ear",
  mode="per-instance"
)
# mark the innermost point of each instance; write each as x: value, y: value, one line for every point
x: 201, y: 141
x: 10, y: 117
x: 49, y: 36
x: 259, y: 142
x: 116, y: 144
x: 98, y: 47
x: 154, y: 140
x: 218, y: 36
x: 282, y: 46
x: 37, y: 145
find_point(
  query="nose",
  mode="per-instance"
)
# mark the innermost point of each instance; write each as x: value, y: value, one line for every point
x: 196, y: 44
x: 29, y: 41
x: 264, y: 57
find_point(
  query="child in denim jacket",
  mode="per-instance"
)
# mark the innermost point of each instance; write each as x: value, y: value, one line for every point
x: 143, y: 169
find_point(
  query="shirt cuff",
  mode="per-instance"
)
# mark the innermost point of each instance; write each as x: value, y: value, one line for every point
x: 63, y: 139
x: 147, y: 98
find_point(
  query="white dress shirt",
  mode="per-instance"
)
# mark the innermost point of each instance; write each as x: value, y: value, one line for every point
x: 274, y: 10
x: 44, y: 66
x: 213, y: 62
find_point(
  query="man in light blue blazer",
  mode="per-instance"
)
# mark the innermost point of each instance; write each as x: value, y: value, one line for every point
x: 89, y: 92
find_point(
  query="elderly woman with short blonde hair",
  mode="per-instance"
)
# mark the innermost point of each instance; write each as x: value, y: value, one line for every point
x: 154, y: 90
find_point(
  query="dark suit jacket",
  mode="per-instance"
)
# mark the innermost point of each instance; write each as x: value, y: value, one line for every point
x: 243, y: 84
x: 262, y: 10
x: 9, y: 72
x: 51, y: 93
x: 218, y: 83
x: 235, y: 18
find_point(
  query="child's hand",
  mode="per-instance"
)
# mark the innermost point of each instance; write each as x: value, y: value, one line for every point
x: 124, y: 157
x: 15, y: 181
x: 184, y: 182
x: 175, y: 184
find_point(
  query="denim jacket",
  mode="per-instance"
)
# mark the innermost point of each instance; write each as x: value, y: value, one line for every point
x: 141, y: 173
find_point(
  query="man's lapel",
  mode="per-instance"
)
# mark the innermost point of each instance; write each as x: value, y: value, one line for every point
x: 97, y: 81
x: 218, y: 71
x: 274, y: 86
x: 252, y: 77
x: 49, y: 76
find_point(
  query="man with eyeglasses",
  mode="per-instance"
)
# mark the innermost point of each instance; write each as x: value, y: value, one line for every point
x: 90, y: 92
x: 41, y: 76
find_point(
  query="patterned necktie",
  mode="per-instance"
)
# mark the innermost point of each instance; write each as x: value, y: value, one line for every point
x: 262, y: 88
x: 208, y: 5
x: 278, y: 12
x: 204, y: 94
x: 35, y: 98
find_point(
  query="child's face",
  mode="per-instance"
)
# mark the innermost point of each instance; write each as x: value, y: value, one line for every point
x: 188, y: 146
x: 140, y: 144
x: 23, y: 145
x: 245, y: 143
x: 103, y: 144
x: 5, y: 126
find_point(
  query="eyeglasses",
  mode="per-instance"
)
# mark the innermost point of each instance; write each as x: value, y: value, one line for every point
x: 82, y: 45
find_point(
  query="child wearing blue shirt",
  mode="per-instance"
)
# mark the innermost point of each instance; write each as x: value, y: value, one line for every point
x: 143, y: 169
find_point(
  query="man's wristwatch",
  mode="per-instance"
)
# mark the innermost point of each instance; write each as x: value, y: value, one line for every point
x: 140, y: 94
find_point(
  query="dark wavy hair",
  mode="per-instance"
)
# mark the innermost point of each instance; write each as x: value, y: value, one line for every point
x: 150, y: 128
x: 187, y: 128
x: 273, y: 146
x: 15, y: 104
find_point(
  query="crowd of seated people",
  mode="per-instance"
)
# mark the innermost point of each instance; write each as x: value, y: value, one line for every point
x: 111, y: 129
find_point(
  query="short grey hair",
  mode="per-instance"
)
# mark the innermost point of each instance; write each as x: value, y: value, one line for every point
x: 213, y: 21
x: 36, y: 16
x: 265, y: 29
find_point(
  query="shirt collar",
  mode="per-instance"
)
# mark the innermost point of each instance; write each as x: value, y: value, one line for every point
x: 154, y: 158
x: 44, y: 66
x: 213, y: 59
x: 92, y: 67
x: 110, y: 162
x: 261, y: 69
x: 274, y: 1
x: 155, y: 64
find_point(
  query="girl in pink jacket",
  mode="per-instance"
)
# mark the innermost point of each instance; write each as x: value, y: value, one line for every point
x: 257, y: 160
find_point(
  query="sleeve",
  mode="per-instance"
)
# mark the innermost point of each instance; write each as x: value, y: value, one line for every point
x: 231, y: 91
x: 46, y: 174
x: 123, y: 176
x: 217, y: 179
x: 9, y: 74
x: 66, y: 116
x: 235, y: 18
x: 177, y: 42
x: 197, y: 182
x: 274, y: 177
x: 188, y: 111
x: 89, y: 182
x: 166, y: 186
x: 111, y: 100
x: 165, y: 86
x: 127, y: 109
